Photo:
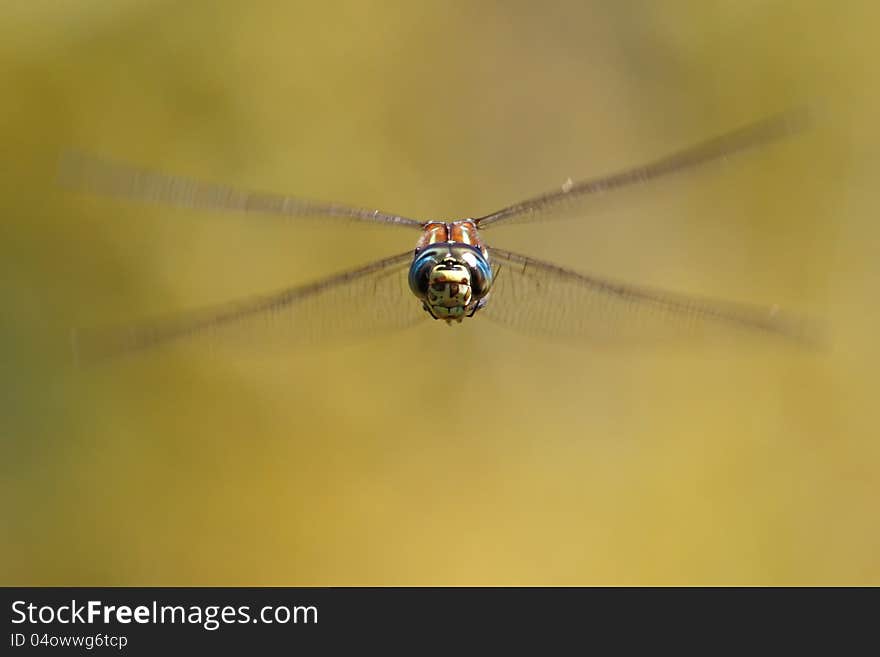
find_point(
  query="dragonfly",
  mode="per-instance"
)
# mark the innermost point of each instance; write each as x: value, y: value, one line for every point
x: 452, y: 275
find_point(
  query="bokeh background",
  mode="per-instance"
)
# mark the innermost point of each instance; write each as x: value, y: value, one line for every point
x: 465, y: 455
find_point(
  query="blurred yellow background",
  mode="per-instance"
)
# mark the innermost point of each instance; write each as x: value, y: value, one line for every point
x: 464, y: 455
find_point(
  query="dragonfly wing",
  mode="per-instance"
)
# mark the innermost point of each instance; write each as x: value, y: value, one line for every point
x: 573, y: 194
x: 95, y: 175
x: 369, y: 299
x: 540, y: 297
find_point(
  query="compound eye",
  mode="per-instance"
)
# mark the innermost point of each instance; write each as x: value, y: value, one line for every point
x: 419, y: 274
x: 481, y: 274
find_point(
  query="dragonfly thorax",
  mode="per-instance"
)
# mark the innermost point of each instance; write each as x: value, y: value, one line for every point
x: 451, y: 279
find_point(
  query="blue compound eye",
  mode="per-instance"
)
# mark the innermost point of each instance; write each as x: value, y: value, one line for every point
x: 419, y: 274
x: 481, y: 273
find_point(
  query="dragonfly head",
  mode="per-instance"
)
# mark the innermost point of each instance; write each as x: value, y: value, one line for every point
x: 449, y: 290
x: 450, y: 281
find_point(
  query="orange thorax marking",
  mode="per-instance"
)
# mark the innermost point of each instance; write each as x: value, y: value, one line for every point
x: 462, y: 232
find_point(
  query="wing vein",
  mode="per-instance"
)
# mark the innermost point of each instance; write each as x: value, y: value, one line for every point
x: 97, y: 344
x: 95, y: 175
x: 752, y: 135
x: 551, y: 282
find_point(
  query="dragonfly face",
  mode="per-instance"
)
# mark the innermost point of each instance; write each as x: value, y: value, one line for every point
x: 450, y: 271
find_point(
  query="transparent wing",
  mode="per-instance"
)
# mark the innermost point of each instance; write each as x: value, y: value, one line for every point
x: 540, y: 297
x: 370, y: 299
x: 94, y: 175
x: 750, y: 136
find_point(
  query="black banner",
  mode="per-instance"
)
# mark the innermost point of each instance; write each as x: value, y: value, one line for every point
x: 182, y: 620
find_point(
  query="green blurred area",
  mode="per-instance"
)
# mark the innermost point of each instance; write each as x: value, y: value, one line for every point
x: 464, y: 455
